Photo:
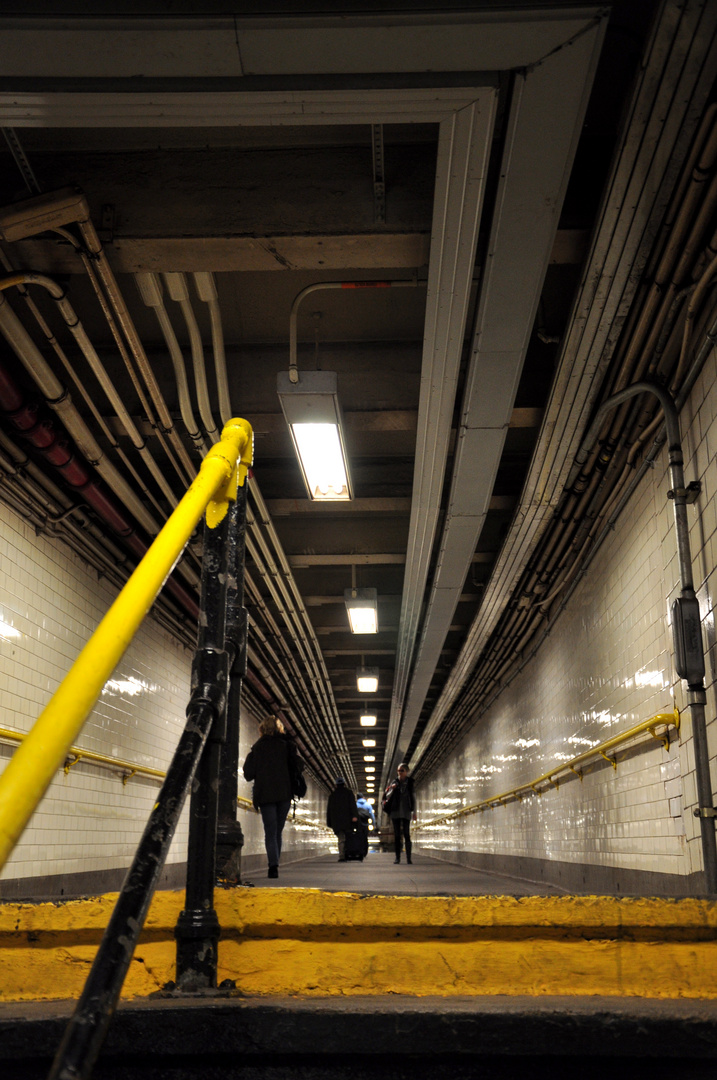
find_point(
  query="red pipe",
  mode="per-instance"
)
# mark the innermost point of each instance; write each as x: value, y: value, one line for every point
x: 40, y: 430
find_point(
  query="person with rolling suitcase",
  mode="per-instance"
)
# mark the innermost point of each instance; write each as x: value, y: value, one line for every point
x: 342, y: 814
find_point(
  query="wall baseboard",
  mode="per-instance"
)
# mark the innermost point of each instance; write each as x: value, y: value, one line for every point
x: 577, y: 878
x: 98, y: 882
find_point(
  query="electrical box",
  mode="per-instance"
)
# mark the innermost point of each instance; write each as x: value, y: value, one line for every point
x: 687, y: 638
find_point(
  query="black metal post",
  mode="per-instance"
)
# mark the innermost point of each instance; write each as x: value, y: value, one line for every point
x: 86, y: 1030
x: 230, y: 838
x: 197, y: 930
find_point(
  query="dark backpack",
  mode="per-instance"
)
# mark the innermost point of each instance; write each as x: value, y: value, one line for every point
x: 296, y: 776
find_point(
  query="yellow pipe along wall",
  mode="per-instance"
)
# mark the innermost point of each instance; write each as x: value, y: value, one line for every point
x: 32, y: 767
x: 309, y: 943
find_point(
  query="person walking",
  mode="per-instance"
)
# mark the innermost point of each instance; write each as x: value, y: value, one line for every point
x: 268, y: 765
x: 365, y: 809
x: 341, y: 814
x: 400, y: 804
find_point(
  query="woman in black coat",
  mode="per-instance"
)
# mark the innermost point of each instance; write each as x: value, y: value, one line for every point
x: 400, y: 804
x: 267, y: 764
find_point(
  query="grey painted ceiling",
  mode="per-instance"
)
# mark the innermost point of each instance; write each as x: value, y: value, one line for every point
x: 247, y: 147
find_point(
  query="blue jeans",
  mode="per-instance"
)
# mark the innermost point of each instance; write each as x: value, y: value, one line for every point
x: 274, y: 815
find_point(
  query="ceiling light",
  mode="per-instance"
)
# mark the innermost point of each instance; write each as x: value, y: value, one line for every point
x: 368, y: 742
x: 369, y: 757
x: 368, y: 721
x: 311, y: 409
x: 367, y: 680
x: 362, y: 608
x: 370, y: 769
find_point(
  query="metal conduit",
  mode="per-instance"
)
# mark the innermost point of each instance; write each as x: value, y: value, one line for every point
x: 647, y: 343
x: 300, y: 696
x: 392, y: 283
x: 58, y: 506
x: 207, y: 293
x: 78, y: 332
x: 289, y: 579
x: 476, y: 701
x: 87, y: 231
x: 82, y: 389
x: 283, y: 603
x: 59, y: 400
x: 114, y: 325
x: 177, y: 289
x: 150, y: 289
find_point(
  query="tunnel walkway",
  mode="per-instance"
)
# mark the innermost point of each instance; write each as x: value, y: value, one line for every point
x: 378, y: 875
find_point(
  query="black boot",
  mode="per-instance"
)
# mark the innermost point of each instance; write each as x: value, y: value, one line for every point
x: 273, y: 871
x: 408, y: 851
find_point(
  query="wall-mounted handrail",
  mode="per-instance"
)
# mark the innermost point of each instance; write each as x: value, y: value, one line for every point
x: 126, y: 768
x: 79, y: 754
x: 550, y: 780
x: 43, y: 751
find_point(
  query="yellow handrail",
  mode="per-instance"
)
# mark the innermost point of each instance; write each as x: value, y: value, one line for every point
x: 79, y: 754
x: 36, y: 760
x: 126, y: 768
x: 602, y: 750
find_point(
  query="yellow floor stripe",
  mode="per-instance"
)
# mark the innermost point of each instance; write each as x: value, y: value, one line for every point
x: 304, y: 941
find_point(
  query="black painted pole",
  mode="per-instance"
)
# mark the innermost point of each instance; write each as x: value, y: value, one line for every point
x: 230, y: 838
x: 197, y: 930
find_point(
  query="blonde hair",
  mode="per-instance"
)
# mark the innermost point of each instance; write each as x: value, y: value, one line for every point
x: 271, y: 725
x: 403, y: 765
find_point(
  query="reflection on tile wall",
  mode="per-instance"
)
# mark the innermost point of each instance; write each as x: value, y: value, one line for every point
x: 50, y: 604
x: 605, y: 666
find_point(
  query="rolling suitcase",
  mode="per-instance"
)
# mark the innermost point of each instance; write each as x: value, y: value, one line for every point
x: 356, y: 843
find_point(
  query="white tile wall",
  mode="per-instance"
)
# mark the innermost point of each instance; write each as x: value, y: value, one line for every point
x: 50, y: 603
x: 606, y: 665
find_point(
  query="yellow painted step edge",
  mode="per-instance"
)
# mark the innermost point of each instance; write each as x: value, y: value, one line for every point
x: 344, y: 944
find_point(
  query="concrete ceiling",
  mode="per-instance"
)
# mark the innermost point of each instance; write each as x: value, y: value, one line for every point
x: 462, y: 152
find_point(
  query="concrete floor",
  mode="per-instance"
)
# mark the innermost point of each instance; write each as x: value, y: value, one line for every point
x: 379, y: 875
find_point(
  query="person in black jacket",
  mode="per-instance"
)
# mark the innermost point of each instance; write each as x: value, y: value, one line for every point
x: 341, y: 813
x: 267, y: 764
x: 400, y: 804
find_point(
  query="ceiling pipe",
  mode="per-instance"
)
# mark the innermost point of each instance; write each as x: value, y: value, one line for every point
x: 398, y: 283
x: 177, y: 289
x: 41, y: 433
x: 112, y: 289
x: 82, y: 389
x: 150, y: 289
x: 59, y: 400
x: 207, y: 293
x: 69, y: 206
x: 78, y: 332
x: 642, y: 182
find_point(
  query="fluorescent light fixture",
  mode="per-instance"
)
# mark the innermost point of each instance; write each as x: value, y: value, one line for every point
x: 370, y: 769
x: 367, y: 680
x: 369, y: 757
x: 362, y: 608
x: 311, y: 409
x: 368, y: 742
x: 368, y: 721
